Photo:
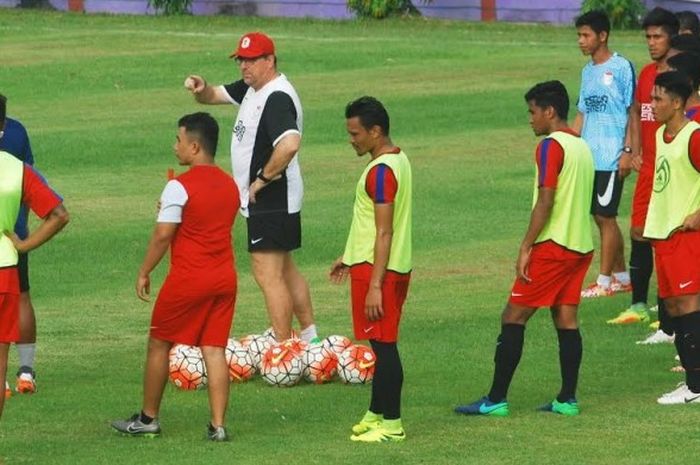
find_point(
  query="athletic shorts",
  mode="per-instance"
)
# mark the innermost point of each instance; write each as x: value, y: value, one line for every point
x: 607, y: 191
x: 9, y: 318
x: 556, y: 275
x: 642, y: 197
x: 394, y: 292
x: 23, y: 268
x: 678, y: 264
x: 196, y: 321
x: 274, y: 231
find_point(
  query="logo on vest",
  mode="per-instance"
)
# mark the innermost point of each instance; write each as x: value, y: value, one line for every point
x: 662, y: 176
x: 239, y: 130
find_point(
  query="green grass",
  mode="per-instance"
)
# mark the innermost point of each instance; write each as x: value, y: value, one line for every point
x: 101, y: 96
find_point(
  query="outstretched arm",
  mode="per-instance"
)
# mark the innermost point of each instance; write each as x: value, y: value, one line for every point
x: 204, y: 93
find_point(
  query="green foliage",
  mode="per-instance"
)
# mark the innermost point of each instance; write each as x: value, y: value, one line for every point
x: 382, y: 8
x: 623, y: 14
x: 171, y: 7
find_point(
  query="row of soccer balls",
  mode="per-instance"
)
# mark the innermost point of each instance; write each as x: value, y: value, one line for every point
x: 279, y: 363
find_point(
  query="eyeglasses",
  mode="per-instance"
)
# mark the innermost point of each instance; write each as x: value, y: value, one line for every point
x: 249, y: 61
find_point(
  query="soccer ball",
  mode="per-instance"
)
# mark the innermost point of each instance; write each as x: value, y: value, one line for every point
x: 297, y: 345
x: 320, y: 363
x: 240, y: 364
x: 257, y: 345
x: 186, y: 367
x: 337, y: 344
x: 356, y: 364
x: 281, y: 366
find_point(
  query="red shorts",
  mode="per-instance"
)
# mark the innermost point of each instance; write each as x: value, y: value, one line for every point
x: 9, y: 318
x: 394, y: 292
x: 678, y: 264
x: 192, y: 320
x: 556, y: 275
x: 642, y: 197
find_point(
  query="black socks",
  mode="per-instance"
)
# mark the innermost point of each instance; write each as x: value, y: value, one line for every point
x: 509, y: 349
x: 570, y: 354
x: 388, y: 380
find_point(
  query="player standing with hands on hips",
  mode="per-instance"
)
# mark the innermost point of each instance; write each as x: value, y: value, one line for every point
x: 264, y: 154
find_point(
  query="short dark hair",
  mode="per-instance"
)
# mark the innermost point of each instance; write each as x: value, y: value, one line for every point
x: 676, y: 83
x: 370, y: 111
x: 662, y: 18
x: 203, y: 127
x: 689, y: 20
x: 550, y: 94
x: 595, y: 19
x: 686, y: 43
x: 3, y: 110
x: 689, y: 64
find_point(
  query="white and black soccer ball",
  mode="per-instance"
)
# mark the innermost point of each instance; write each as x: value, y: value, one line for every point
x: 320, y: 363
x: 257, y: 345
x: 240, y: 363
x: 186, y: 367
x: 356, y: 365
x: 337, y: 343
x: 281, y: 366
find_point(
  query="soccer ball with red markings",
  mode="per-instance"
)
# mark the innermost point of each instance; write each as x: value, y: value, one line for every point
x: 297, y: 345
x: 281, y: 366
x: 356, y: 364
x: 186, y: 367
x: 257, y: 345
x: 240, y: 364
x: 337, y: 344
x: 320, y: 363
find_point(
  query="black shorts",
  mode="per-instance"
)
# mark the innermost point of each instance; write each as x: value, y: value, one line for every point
x: 607, y: 191
x: 274, y: 231
x: 23, y: 268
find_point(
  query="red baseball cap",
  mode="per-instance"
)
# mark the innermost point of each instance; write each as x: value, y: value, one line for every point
x: 254, y: 45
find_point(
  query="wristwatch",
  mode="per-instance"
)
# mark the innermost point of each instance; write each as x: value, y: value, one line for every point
x: 263, y: 178
x: 627, y: 149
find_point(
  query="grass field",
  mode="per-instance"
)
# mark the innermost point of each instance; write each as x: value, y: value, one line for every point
x: 101, y: 96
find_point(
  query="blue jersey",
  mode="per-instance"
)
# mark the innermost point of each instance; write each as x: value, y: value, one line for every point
x: 607, y: 90
x: 15, y: 141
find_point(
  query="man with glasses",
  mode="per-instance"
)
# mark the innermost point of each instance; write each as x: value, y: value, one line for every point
x: 264, y: 145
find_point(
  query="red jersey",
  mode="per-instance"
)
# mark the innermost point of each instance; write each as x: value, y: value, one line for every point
x: 648, y: 125
x: 42, y: 200
x: 549, y: 157
x: 381, y: 184
x: 693, y: 113
x: 201, y: 261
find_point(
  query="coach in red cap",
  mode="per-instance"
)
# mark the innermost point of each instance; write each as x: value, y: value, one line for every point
x: 264, y: 154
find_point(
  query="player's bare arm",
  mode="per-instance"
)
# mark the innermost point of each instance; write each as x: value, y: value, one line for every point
x: 634, y: 124
x: 281, y: 156
x: 625, y: 164
x: 692, y: 222
x: 204, y: 93
x: 56, y: 220
x: 383, y: 222
x: 578, y: 122
x: 538, y: 219
x: 163, y: 235
x: 339, y: 271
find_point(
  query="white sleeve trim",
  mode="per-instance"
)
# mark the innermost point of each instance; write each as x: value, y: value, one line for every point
x: 172, y: 201
x: 227, y: 95
x: 285, y: 133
